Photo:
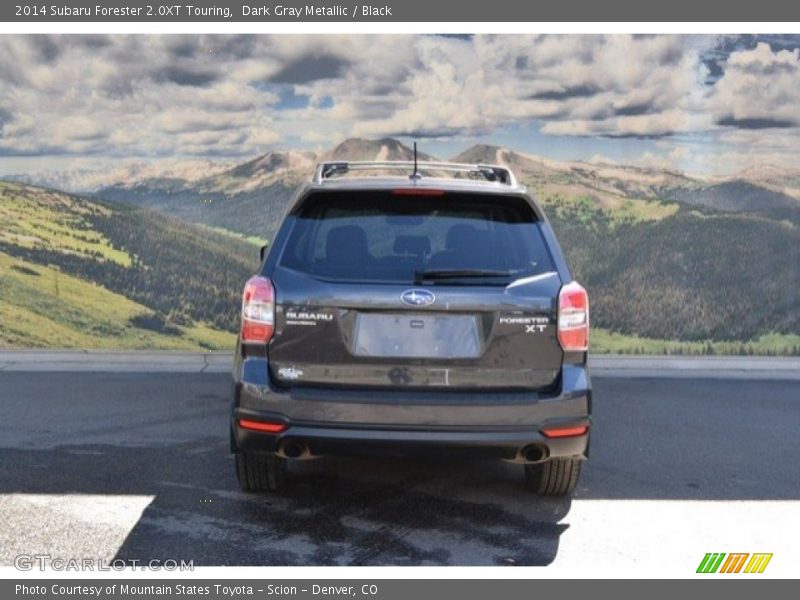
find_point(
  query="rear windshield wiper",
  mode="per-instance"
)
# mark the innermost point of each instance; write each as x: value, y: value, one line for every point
x: 440, y: 274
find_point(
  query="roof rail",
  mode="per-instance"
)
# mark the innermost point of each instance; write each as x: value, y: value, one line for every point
x: 492, y: 173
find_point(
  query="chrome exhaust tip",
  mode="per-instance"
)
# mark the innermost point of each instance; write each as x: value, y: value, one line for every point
x: 294, y: 449
x: 533, y: 453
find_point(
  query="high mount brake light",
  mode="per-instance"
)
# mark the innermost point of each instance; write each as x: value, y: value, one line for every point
x: 417, y: 192
x: 258, y: 311
x: 573, y: 318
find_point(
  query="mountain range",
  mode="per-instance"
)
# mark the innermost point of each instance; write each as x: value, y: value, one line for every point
x: 198, y: 190
x: 665, y: 255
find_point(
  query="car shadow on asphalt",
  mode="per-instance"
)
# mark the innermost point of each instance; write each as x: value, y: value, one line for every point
x: 333, y: 511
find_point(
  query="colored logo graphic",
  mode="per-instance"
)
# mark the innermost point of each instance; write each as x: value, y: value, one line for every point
x: 737, y: 562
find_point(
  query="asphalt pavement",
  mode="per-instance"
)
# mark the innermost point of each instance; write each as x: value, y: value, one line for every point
x: 136, y: 466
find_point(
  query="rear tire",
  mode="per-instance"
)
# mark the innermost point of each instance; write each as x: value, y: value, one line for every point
x: 554, y: 477
x: 260, y: 472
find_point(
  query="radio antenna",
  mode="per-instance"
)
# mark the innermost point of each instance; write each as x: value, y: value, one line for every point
x: 415, y: 174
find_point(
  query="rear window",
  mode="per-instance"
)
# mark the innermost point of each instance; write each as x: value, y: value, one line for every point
x: 383, y: 237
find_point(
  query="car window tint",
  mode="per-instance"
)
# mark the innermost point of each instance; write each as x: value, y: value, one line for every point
x: 378, y: 236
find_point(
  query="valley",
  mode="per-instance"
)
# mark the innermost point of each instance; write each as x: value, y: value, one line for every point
x: 673, y: 263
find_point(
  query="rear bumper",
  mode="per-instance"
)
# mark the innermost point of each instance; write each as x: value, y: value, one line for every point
x: 406, y: 422
x: 320, y: 441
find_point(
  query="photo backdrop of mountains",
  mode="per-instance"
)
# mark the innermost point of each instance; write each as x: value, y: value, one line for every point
x: 156, y: 255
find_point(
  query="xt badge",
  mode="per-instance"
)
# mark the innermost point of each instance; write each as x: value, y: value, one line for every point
x: 531, y: 324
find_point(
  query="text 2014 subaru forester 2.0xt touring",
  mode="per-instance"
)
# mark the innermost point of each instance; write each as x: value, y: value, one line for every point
x: 427, y: 314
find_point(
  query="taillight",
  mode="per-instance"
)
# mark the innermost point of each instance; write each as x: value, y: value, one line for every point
x: 561, y: 432
x: 573, y: 317
x: 258, y: 311
x: 265, y: 426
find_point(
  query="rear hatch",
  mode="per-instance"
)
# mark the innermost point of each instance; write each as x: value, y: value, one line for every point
x: 387, y: 290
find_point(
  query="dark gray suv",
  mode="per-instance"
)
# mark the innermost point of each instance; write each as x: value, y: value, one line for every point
x: 396, y: 314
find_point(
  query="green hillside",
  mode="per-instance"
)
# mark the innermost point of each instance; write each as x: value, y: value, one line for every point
x: 604, y: 341
x: 78, y: 272
x: 689, y: 277
x: 41, y: 307
x: 667, y: 272
x: 252, y: 214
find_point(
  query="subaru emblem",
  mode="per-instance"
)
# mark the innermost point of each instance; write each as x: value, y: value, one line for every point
x: 417, y: 297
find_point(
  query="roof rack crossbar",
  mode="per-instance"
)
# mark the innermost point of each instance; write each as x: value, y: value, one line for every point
x: 493, y: 173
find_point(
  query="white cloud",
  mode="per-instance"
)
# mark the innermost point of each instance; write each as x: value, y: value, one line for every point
x: 759, y: 89
x: 164, y: 96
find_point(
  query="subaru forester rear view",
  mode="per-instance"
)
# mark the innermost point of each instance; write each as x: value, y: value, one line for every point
x: 429, y: 314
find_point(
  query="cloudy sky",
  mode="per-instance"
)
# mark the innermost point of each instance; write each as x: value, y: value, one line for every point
x: 703, y: 104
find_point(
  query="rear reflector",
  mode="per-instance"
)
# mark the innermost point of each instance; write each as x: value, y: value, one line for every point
x: 258, y: 311
x: 261, y: 426
x: 573, y: 317
x: 417, y: 192
x: 561, y: 432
